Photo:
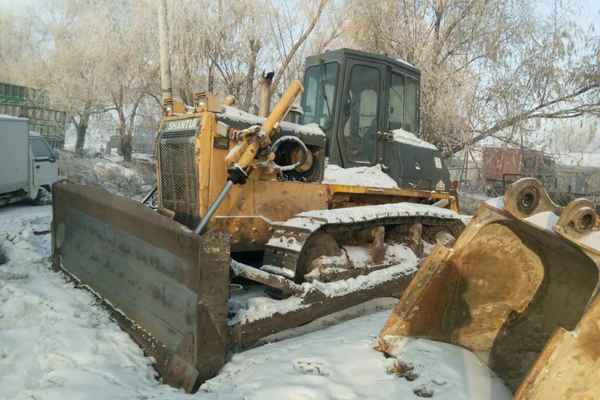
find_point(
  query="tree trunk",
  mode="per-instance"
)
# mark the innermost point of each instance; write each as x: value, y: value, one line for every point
x: 81, y: 129
x: 211, y: 77
x: 126, y: 146
x: 254, y: 49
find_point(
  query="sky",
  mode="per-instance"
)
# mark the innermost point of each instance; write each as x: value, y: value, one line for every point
x: 586, y: 12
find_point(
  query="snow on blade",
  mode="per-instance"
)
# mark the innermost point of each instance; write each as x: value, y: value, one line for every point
x: 359, y: 176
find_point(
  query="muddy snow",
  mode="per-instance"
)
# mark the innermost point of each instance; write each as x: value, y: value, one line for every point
x: 57, y: 343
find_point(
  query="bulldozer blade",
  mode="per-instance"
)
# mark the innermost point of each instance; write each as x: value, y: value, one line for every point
x: 168, y: 287
x: 519, y: 288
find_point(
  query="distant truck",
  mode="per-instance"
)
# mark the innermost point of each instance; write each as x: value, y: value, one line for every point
x: 504, y: 165
x: 27, y: 162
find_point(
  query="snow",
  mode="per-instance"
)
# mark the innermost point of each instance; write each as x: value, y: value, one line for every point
x: 352, y: 214
x: 402, y: 136
x: 361, y: 282
x: 288, y: 242
x: 56, y: 342
x: 466, y: 219
x: 578, y: 159
x: 243, y: 117
x: 131, y: 180
x: 359, y: 176
x: 496, y: 202
x: 10, y: 117
x: 544, y: 220
x: 592, y: 240
x: 451, y: 372
x: 263, y: 307
x: 107, y: 168
x: 339, y: 363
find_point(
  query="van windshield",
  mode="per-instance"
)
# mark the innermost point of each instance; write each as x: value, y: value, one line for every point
x: 319, y: 96
x: 40, y: 148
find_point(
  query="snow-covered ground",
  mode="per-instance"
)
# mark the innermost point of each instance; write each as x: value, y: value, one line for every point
x: 131, y: 180
x: 57, y: 343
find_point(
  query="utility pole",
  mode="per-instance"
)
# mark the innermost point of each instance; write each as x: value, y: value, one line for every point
x: 165, y: 60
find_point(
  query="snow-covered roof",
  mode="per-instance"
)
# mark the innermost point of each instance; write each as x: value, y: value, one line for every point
x: 358, y: 176
x: 578, y: 159
x: 402, y: 136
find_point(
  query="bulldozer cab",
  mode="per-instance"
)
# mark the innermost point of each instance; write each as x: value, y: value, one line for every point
x: 368, y: 106
x: 355, y: 97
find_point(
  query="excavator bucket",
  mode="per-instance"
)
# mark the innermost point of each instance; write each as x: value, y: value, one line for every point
x: 518, y: 288
x: 167, y: 286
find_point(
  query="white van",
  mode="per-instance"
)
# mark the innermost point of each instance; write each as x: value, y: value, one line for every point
x: 27, y: 162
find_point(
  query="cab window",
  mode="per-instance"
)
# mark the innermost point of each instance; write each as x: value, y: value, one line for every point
x: 40, y: 149
x: 411, y: 106
x: 396, y: 102
x: 361, y: 112
x: 318, y: 100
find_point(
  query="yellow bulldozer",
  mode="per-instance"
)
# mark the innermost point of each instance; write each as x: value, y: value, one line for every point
x: 242, y: 211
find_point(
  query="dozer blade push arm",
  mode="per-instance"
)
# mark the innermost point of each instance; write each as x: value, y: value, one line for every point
x: 243, y: 154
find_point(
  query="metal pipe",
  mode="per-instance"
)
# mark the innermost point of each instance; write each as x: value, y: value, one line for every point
x: 282, y: 107
x: 213, y: 208
x: 165, y: 61
x: 266, y: 278
x: 443, y: 203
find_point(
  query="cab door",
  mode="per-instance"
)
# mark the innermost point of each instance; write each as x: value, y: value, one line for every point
x: 361, y: 114
x: 45, y: 168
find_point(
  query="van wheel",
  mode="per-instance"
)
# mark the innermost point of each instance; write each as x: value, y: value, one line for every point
x: 43, y: 197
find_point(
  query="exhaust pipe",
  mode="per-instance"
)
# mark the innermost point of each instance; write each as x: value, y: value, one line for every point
x: 165, y: 61
x: 265, y: 94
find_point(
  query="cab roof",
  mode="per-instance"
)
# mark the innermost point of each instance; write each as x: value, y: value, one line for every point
x: 341, y: 54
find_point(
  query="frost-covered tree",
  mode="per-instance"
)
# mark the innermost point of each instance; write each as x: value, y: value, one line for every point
x: 489, y: 66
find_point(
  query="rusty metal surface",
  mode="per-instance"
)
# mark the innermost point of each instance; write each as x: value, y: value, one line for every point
x: 505, y: 289
x: 247, y: 334
x: 169, y: 287
x: 498, y: 162
x: 569, y: 367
